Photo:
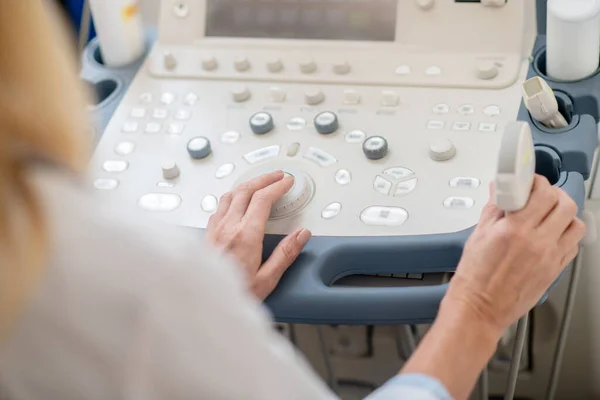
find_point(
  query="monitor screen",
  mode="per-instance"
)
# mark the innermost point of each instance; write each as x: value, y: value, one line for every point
x: 357, y: 20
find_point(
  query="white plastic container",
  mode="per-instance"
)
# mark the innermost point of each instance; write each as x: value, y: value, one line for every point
x: 573, y: 39
x: 120, y: 31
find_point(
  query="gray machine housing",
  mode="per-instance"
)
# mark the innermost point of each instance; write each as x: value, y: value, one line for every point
x: 308, y: 293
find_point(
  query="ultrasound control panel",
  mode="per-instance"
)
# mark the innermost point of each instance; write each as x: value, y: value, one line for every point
x: 388, y: 113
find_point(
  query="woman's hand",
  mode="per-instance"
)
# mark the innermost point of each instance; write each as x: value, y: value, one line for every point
x: 510, y: 262
x: 238, y: 227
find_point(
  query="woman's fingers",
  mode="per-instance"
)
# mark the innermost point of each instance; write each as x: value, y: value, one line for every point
x: 244, y: 192
x: 561, y: 217
x: 542, y: 201
x: 259, y: 209
x: 572, y: 236
x: 283, y: 257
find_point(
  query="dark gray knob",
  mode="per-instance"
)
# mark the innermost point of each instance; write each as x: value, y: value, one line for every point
x: 199, y: 148
x: 261, y: 123
x: 326, y: 123
x: 375, y: 147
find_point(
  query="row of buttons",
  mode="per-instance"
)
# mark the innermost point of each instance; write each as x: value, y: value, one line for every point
x: 168, y: 98
x: 491, y: 110
x: 435, y: 125
x: 161, y: 113
x: 174, y: 128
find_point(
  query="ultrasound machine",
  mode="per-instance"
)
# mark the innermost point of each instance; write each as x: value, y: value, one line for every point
x: 389, y: 114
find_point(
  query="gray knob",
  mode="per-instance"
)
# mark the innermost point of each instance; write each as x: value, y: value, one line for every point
x: 375, y: 147
x: 199, y: 148
x: 326, y: 123
x: 261, y: 123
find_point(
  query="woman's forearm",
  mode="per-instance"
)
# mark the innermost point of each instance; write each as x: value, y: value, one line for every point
x: 455, y: 350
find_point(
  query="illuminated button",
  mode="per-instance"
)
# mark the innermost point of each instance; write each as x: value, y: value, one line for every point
x: 382, y: 185
x: 492, y: 111
x: 175, y: 128
x: 230, y: 137
x: 343, y: 177
x: 464, y: 182
x: 389, y: 98
x: 138, y: 113
x: 425, y: 4
x: 224, y: 170
x: 441, y: 108
x: 240, y: 94
x: 342, y: 68
x: 209, y: 63
x: 461, y: 126
x: 314, y: 97
x: 169, y: 61
x: 170, y: 169
x: 124, y: 148
x: 106, y: 184
x: 405, y: 187
x: 159, y: 202
x: 375, y: 147
x: 487, y: 127
x: 262, y: 154
x: 441, y: 150
x: 403, y: 70
x: 435, y: 125
x: 486, y: 70
x: 331, y: 211
x: 241, y: 64
x: 275, y: 65
x: 320, y: 157
x: 130, y: 127
x: 384, y: 216
x: 261, y: 123
x: 293, y: 149
x: 199, y: 148
x: 146, y: 98
x: 115, y: 166
x: 326, y: 123
x: 308, y: 66
x: 152, y: 127
x: 351, y: 97
x: 167, y: 98
x: 355, y: 136
x: 296, y: 124
x: 398, y: 173
x: 160, y: 113
x: 190, y: 99
x: 433, y: 71
x: 466, y: 109
x: 183, y: 114
x: 277, y: 95
x: 209, y: 204
x: 459, y: 203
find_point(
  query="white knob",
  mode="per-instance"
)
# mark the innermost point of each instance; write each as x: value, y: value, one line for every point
x: 486, y: 70
x: 170, y: 170
x: 275, y: 65
x: 169, y: 61
x: 308, y: 66
x: 314, y: 97
x: 241, y: 64
x: 441, y: 150
x: 210, y: 63
x: 425, y: 4
x: 240, y: 94
x: 342, y: 68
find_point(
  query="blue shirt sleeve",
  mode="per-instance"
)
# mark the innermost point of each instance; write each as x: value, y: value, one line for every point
x: 413, y: 387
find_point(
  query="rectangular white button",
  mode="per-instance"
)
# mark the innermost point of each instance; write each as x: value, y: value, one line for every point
x: 384, y: 216
x: 461, y: 126
x: 382, y: 185
x: 160, y: 113
x: 389, y: 98
x: 435, y: 125
x: 459, y: 203
x: 138, y: 113
x: 487, y: 127
x: 321, y: 157
x: 351, y: 97
x: 277, y: 95
x: 152, y: 127
x: 130, y: 127
x: 175, y: 128
x: 262, y: 154
x: 183, y: 114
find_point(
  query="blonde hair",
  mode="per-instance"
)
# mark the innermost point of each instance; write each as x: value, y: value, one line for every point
x: 42, y: 117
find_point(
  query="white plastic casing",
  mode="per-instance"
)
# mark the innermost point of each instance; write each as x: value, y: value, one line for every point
x: 573, y: 38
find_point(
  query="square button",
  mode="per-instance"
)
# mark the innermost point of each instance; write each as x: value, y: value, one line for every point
x: 487, y: 127
x: 461, y: 126
x: 160, y: 113
x: 183, y: 114
x: 175, y: 128
x: 351, y: 97
x: 435, y: 125
x: 130, y: 127
x: 152, y: 127
x: 389, y: 98
x: 138, y: 113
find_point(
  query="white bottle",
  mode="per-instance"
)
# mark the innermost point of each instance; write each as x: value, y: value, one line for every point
x: 573, y: 39
x: 120, y: 31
